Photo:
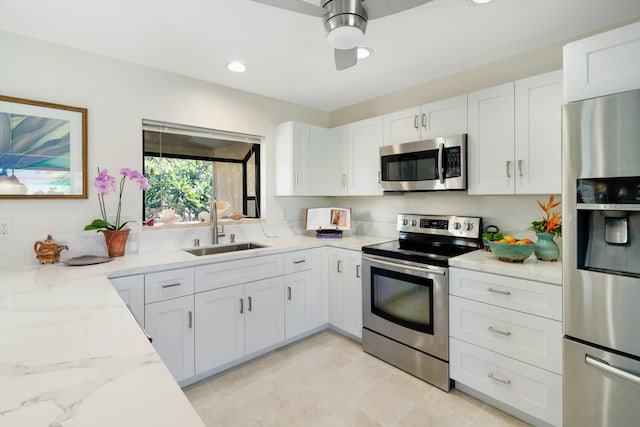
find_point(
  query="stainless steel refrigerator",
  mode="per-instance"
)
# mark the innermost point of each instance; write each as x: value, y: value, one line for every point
x: 601, y: 261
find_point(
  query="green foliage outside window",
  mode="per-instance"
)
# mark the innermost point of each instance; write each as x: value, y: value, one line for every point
x: 183, y: 185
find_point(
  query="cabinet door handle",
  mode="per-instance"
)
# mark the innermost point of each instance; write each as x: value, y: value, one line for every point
x: 358, y: 271
x: 289, y: 293
x: 498, y: 291
x: 344, y: 179
x: 295, y: 177
x: 300, y: 261
x: 520, y: 167
x: 241, y: 305
x: 498, y: 331
x: 190, y: 319
x: 339, y: 266
x: 249, y: 298
x: 508, y: 168
x: 502, y: 380
x: 171, y: 285
x: 379, y: 177
x: 415, y: 121
x: 424, y: 120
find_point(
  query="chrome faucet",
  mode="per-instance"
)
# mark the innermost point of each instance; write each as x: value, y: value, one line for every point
x: 213, y: 218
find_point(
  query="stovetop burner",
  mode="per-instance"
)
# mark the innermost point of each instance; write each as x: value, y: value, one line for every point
x: 429, y: 239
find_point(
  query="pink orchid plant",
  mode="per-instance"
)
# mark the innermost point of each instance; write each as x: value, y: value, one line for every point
x: 106, y: 184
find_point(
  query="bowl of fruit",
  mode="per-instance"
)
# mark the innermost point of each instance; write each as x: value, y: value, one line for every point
x: 510, y: 249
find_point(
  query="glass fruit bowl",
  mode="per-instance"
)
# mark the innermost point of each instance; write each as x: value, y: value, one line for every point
x: 511, y: 252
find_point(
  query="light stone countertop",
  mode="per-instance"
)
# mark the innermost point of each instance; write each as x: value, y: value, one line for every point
x: 72, y: 355
x: 531, y: 268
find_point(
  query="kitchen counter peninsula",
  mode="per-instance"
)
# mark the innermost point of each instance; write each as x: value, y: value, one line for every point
x: 71, y: 354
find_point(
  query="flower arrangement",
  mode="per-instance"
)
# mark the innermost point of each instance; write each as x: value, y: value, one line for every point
x: 106, y: 184
x: 552, y: 220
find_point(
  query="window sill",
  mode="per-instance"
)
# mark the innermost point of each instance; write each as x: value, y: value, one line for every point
x: 199, y: 224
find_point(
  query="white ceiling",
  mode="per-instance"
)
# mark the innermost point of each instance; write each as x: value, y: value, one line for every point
x: 287, y: 54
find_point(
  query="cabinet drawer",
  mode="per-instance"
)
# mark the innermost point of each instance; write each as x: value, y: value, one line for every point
x: 532, y: 390
x: 168, y: 284
x: 532, y: 339
x: 297, y: 261
x: 220, y: 275
x: 541, y: 299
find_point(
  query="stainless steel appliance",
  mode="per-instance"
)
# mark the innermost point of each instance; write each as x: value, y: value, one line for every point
x: 405, y: 287
x: 429, y: 165
x: 601, y: 262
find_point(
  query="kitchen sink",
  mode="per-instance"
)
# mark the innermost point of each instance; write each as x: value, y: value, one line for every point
x: 221, y: 249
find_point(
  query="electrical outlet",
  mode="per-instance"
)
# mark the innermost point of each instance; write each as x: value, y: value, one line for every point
x: 6, y: 228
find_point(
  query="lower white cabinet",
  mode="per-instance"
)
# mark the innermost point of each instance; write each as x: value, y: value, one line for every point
x: 506, y: 340
x: 297, y: 286
x: 528, y: 388
x: 236, y: 321
x: 345, y: 290
x: 171, y: 326
x: 131, y: 291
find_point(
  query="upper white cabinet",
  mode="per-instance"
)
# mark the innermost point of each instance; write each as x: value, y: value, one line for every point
x: 514, y: 138
x: 602, y: 64
x: 337, y: 158
x: 364, y: 139
x: 298, y: 146
x: 440, y: 118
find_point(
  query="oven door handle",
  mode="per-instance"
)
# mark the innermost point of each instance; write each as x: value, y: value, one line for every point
x: 590, y: 360
x: 441, y: 163
x: 403, y: 266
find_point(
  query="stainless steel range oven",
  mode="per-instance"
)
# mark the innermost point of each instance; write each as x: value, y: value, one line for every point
x: 405, y: 287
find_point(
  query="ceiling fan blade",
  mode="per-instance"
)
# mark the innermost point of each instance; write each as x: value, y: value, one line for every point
x: 346, y: 58
x: 379, y: 8
x: 295, y: 6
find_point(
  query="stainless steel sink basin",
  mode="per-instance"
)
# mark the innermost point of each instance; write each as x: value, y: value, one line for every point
x: 221, y: 249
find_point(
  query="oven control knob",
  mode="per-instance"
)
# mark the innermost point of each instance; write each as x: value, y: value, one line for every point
x: 414, y: 222
x: 468, y: 226
x: 405, y: 221
x: 457, y: 226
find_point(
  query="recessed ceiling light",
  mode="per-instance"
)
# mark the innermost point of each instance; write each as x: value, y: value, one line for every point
x: 364, y: 52
x: 479, y: 1
x: 237, y: 67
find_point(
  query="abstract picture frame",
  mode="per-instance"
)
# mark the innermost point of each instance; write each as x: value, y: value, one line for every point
x: 43, y: 150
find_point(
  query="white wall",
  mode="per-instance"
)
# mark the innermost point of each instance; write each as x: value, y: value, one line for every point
x: 118, y: 96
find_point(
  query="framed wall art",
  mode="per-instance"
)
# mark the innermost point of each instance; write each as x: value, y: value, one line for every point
x: 43, y: 150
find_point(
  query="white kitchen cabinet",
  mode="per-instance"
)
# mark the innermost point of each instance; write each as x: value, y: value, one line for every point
x: 219, y: 337
x: 168, y: 284
x: 538, y: 134
x: 264, y: 321
x: 514, y: 138
x: 131, y: 290
x: 298, y: 149
x: 235, y: 321
x: 337, y: 161
x: 364, y: 139
x: 440, y: 118
x: 602, y: 64
x: 345, y: 291
x: 506, y: 340
x: 305, y: 291
x: 171, y: 325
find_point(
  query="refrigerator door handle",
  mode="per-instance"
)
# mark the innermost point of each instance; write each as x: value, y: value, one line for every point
x: 597, y: 363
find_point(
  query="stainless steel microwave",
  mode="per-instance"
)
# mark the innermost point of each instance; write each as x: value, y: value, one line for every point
x: 429, y: 165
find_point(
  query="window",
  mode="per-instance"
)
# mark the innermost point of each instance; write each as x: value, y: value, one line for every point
x: 186, y: 166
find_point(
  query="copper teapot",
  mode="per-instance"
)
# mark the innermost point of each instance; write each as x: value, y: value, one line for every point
x: 48, y: 252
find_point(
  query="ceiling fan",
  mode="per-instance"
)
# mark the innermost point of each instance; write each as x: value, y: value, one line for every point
x: 345, y: 21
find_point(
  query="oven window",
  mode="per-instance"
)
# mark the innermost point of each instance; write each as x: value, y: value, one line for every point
x: 402, y: 299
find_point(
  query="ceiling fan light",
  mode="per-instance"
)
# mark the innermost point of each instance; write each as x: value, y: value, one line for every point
x: 364, y: 52
x: 345, y: 38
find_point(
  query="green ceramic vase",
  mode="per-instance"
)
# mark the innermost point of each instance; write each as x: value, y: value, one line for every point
x: 545, y: 248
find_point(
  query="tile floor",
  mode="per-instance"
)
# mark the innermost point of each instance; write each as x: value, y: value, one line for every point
x: 327, y: 380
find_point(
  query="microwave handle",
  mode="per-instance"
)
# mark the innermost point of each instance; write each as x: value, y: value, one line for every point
x: 441, y: 163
